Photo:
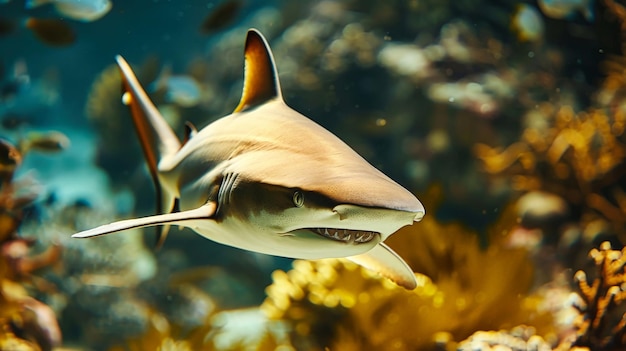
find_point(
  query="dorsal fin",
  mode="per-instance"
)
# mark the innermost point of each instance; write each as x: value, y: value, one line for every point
x: 260, y: 81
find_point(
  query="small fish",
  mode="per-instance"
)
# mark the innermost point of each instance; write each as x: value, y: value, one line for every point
x: 268, y: 179
x: 221, y: 17
x: 53, y: 32
x: 564, y: 9
x: 527, y: 23
x: 80, y: 10
x: 44, y: 142
x: 182, y: 90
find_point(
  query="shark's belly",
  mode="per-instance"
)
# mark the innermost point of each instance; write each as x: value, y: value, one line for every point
x: 248, y: 237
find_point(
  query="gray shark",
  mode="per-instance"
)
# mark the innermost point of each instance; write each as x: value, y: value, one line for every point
x: 268, y: 179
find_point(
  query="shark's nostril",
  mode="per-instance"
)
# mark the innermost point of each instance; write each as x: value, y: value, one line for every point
x: 342, y: 214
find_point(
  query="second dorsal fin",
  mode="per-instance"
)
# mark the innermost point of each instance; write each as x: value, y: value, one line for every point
x: 260, y: 76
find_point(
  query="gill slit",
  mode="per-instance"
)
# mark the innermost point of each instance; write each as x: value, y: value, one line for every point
x: 229, y: 182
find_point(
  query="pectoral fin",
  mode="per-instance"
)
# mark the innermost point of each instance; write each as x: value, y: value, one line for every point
x: 384, y: 260
x: 178, y: 218
x: 157, y: 138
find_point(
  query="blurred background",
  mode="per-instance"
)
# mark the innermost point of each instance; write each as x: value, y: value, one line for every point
x: 506, y: 118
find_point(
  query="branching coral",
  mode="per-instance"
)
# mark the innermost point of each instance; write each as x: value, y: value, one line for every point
x: 580, y: 157
x: 577, y: 157
x: 602, y: 321
x: 336, y: 304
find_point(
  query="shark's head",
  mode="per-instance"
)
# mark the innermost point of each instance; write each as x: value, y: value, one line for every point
x: 329, y: 226
x: 302, y: 192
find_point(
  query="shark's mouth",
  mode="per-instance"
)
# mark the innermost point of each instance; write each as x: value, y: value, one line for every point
x: 347, y: 235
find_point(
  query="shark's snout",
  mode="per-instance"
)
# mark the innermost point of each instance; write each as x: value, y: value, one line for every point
x: 419, y: 215
x: 385, y: 221
x: 410, y: 207
x: 371, y: 189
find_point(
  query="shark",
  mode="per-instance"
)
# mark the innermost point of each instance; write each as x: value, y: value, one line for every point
x: 268, y: 179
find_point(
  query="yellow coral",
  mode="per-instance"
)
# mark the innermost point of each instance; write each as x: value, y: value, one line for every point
x: 578, y: 149
x: 520, y: 338
x: 8, y: 341
x: 580, y: 158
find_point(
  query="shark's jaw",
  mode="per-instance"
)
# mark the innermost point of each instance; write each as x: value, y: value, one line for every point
x: 309, y: 215
x: 347, y: 236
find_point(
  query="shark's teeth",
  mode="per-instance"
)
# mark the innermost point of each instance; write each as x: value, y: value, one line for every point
x: 346, y: 235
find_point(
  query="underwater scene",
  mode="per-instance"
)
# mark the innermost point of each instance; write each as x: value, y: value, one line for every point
x: 320, y: 175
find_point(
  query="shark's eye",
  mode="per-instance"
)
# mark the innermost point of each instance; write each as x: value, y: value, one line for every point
x: 298, y: 198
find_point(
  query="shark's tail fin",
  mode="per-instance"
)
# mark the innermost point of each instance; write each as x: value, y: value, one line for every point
x: 156, y: 136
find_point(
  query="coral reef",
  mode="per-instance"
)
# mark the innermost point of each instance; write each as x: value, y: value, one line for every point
x: 25, y: 322
x: 575, y: 156
x: 96, y: 282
